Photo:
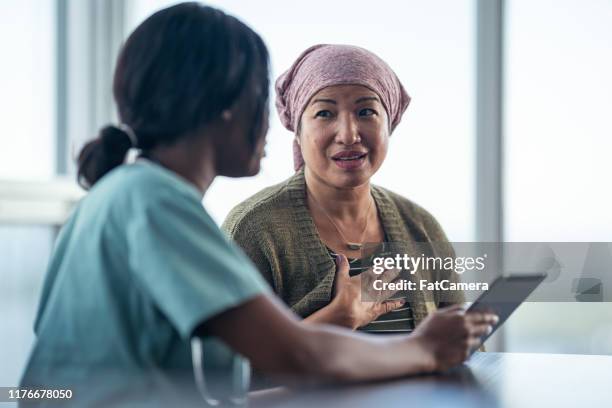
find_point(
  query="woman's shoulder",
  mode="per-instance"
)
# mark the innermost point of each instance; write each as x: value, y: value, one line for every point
x: 267, y: 205
x: 404, y: 205
x: 411, y: 212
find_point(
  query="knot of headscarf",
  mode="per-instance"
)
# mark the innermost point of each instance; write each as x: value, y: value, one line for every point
x: 326, y: 65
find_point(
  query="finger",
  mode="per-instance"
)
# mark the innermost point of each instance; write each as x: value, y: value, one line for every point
x: 394, y: 272
x: 474, y: 343
x: 389, y: 275
x: 342, y: 266
x: 480, y: 330
x: 380, y: 294
x: 388, y: 306
x: 482, y: 317
x: 386, y: 294
x: 491, y: 318
x: 474, y: 317
x: 342, y: 270
x: 383, y: 294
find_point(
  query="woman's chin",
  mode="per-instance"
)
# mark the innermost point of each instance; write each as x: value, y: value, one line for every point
x: 254, y: 169
x: 249, y: 169
x: 350, y: 179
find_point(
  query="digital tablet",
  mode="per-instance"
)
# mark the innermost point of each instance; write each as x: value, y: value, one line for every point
x: 505, y: 294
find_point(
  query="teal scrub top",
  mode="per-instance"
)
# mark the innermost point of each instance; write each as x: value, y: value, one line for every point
x: 137, y: 267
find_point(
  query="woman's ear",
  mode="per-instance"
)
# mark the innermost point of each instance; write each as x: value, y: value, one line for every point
x: 297, y: 140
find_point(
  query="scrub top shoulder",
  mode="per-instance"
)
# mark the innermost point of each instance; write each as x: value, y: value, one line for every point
x: 137, y: 267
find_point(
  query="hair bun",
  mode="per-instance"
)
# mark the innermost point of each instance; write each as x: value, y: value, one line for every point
x: 102, y: 154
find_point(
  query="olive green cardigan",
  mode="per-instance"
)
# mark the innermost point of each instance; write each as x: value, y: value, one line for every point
x: 276, y: 230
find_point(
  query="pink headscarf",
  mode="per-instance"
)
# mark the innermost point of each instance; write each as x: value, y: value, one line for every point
x: 326, y: 65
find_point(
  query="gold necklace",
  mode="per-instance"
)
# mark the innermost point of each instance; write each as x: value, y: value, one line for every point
x: 353, y: 246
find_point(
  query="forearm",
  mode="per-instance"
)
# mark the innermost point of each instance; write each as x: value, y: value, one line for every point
x: 338, y: 355
x: 278, y: 343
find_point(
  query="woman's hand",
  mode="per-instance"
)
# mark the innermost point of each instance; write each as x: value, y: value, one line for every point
x: 349, y: 309
x: 449, y: 335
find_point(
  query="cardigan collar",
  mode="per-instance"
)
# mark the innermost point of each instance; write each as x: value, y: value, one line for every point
x: 320, y: 259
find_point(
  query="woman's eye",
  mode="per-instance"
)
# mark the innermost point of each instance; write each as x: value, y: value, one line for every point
x: 367, y: 112
x: 323, y: 114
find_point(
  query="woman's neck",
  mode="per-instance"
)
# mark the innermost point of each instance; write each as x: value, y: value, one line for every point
x: 339, y: 203
x: 191, y: 158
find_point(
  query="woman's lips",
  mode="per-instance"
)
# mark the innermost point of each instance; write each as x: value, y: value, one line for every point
x: 349, y: 160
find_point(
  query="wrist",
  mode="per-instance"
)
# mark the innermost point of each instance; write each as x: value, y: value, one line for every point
x: 426, y: 357
x: 340, y: 315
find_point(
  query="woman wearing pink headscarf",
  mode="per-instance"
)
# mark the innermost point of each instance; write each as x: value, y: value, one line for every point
x: 343, y: 103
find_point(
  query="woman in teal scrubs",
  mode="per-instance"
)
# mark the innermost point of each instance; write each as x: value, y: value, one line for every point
x: 140, y: 268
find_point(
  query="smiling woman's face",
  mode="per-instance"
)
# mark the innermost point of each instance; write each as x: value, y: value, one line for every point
x: 344, y: 134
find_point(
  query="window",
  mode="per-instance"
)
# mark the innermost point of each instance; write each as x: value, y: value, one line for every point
x: 557, y: 174
x: 27, y: 153
x: 27, y: 80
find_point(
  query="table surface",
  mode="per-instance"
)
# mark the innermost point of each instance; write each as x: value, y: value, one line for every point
x: 486, y: 380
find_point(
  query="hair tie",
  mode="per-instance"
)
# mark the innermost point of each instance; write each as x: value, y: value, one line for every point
x: 129, y: 132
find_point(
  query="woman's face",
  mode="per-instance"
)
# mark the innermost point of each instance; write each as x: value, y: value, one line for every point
x: 343, y: 135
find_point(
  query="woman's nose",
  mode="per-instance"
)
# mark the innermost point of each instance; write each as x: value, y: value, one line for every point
x: 348, y: 131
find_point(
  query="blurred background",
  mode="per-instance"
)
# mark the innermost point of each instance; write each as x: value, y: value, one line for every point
x: 513, y: 97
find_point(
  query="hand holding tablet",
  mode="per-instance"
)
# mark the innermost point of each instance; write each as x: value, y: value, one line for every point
x: 504, y: 296
x: 448, y: 335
